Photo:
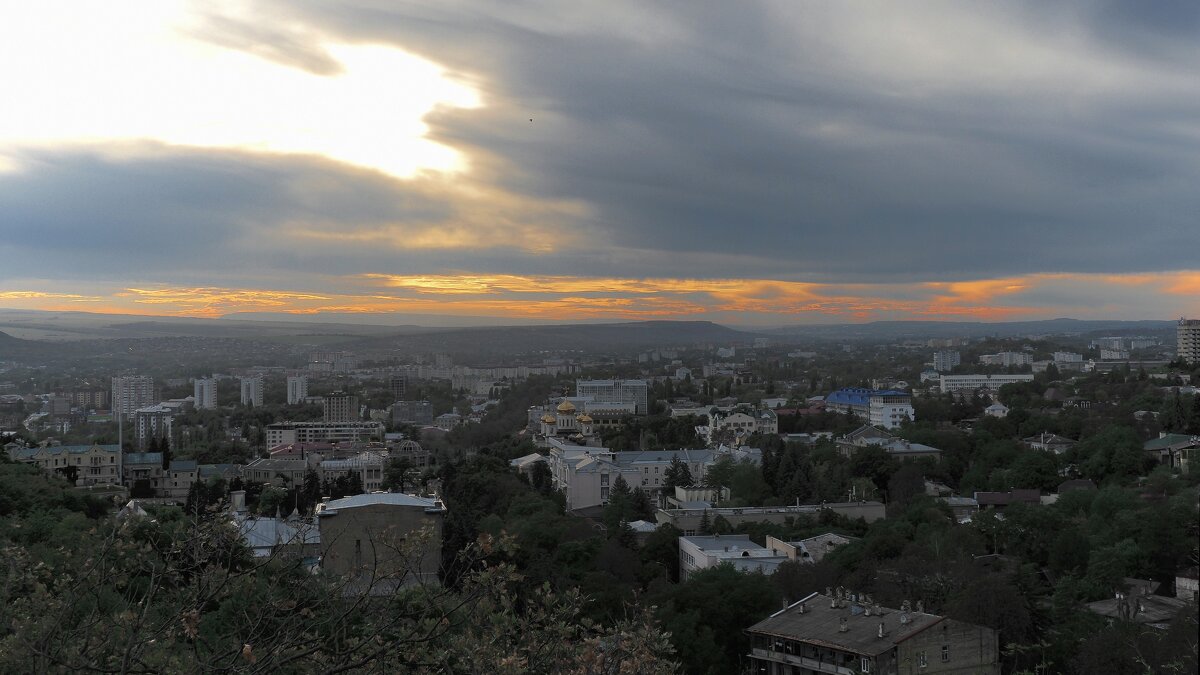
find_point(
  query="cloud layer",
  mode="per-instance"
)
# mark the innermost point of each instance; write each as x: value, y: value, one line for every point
x: 766, y: 161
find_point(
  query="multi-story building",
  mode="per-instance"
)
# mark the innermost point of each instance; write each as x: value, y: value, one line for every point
x: 1067, y: 357
x: 1006, y: 359
x: 412, y: 412
x: 155, y: 421
x: 398, y: 383
x: 89, y: 399
x: 143, y: 470
x: 130, y: 392
x: 252, y: 390
x: 844, y: 632
x: 340, y: 407
x: 204, y: 390
x: 954, y: 383
x: 181, y: 474
x: 945, y: 361
x: 283, y: 433
x: 616, y: 391
x: 886, y: 408
x: 367, y: 465
x: 297, y: 389
x: 88, y: 464
x: 1114, y: 354
x: 371, y: 537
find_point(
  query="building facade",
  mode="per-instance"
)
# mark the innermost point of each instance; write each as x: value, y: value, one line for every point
x: 844, y: 632
x: 252, y: 390
x: 616, y: 391
x: 204, y: 391
x: 340, y: 407
x: 412, y: 412
x: 297, y: 389
x: 130, y: 392
x: 955, y: 383
x: 283, y: 433
x: 374, y: 536
x: 1188, y: 340
x: 945, y: 361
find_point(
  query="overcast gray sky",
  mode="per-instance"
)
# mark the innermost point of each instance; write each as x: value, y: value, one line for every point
x: 753, y: 162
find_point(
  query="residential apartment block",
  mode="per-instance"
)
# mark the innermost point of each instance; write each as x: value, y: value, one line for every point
x: 204, y: 391
x: 252, y: 390
x: 945, y: 361
x: 1188, y: 340
x: 843, y: 632
x: 297, y: 389
x: 130, y: 392
x: 282, y: 433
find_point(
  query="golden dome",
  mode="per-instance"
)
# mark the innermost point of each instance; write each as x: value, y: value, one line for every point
x: 585, y: 418
x: 566, y: 407
x: 548, y: 418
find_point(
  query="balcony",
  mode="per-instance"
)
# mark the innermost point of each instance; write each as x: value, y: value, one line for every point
x: 801, y: 661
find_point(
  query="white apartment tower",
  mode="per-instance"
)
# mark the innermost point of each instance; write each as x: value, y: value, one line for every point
x: 252, y: 390
x: 946, y: 360
x: 131, y: 392
x: 205, y: 393
x: 297, y: 389
x: 1188, y: 335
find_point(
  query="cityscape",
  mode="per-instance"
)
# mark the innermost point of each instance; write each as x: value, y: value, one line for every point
x: 769, y: 338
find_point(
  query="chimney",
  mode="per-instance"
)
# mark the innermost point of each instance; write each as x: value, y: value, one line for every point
x: 803, y: 608
x: 237, y: 501
x: 920, y: 607
x: 842, y: 627
x: 882, y: 632
x: 867, y: 610
x: 904, y: 618
x: 833, y: 603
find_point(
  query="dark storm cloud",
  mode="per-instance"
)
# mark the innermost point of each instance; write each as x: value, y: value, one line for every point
x: 832, y: 140
x: 172, y: 213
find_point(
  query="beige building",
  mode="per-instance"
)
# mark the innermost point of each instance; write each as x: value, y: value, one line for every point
x: 90, y: 464
x: 1188, y: 340
x: 384, y: 539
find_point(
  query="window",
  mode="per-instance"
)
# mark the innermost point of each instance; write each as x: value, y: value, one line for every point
x: 921, y: 660
x: 945, y: 653
x: 865, y: 666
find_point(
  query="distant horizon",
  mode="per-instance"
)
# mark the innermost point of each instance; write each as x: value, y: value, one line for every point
x: 401, y: 320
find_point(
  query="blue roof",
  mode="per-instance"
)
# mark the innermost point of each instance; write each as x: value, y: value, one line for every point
x: 183, y: 465
x: 143, y: 458
x: 860, y: 396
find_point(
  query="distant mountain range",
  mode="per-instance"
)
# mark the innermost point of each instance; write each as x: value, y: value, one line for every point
x: 34, y: 327
x: 902, y: 330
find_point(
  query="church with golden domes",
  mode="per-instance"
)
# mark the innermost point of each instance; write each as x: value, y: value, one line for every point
x: 567, y: 423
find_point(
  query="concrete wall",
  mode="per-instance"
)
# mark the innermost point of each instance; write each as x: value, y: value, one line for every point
x: 380, y: 540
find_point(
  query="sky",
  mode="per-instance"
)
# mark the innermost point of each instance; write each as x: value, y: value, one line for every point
x: 751, y: 163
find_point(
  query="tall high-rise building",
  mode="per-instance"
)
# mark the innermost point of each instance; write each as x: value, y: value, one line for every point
x: 945, y: 361
x: 1188, y: 334
x: 130, y: 392
x: 341, y: 407
x: 252, y: 390
x: 398, y: 384
x: 205, y: 392
x: 297, y: 389
x: 616, y: 391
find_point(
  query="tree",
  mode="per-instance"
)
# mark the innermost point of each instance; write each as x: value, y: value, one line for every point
x: 677, y: 475
x: 395, y: 474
